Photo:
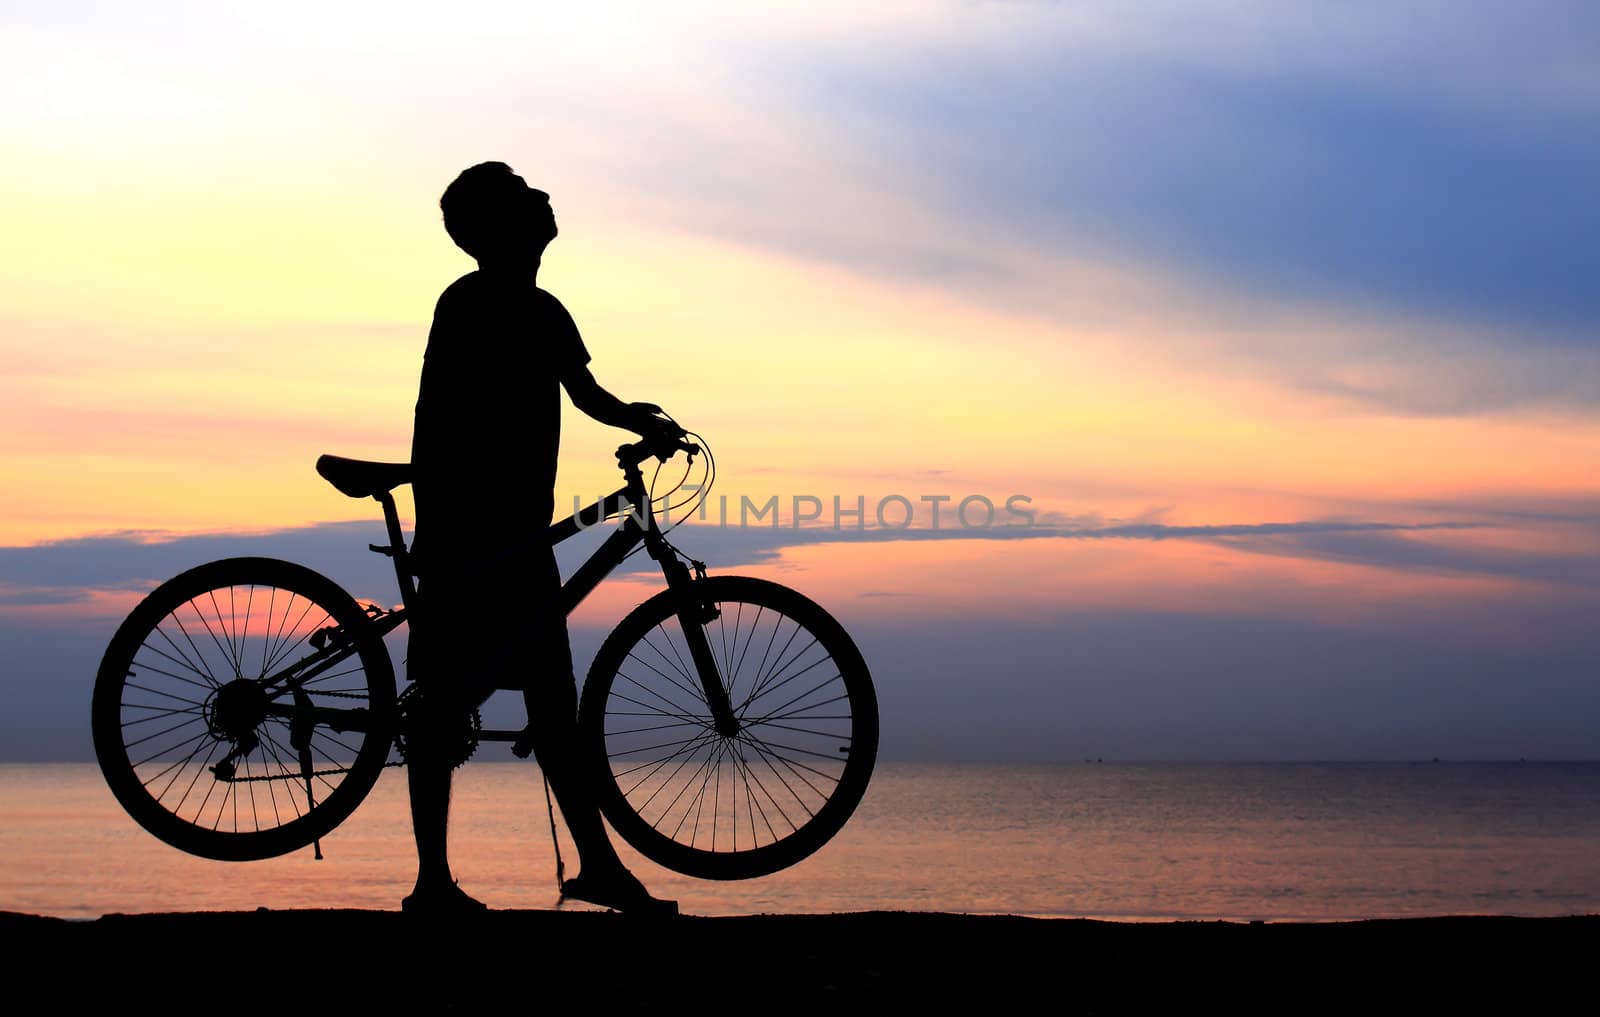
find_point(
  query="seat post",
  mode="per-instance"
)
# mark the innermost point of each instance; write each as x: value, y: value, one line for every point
x: 397, y: 548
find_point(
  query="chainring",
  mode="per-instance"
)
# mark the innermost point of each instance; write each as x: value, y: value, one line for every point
x: 458, y: 741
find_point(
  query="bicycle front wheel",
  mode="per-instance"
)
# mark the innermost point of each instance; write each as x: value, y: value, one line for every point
x: 243, y: 709
x: 719, y: 804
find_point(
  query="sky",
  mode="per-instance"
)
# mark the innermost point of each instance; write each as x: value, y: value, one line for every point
x: 1280, y: 320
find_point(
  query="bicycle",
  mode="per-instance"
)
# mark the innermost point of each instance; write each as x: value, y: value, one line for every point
x: 246, y: 707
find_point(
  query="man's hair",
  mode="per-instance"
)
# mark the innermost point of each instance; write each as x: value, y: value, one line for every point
x: 477, y: 203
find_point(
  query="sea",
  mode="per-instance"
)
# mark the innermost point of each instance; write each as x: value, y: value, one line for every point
x: 1119, y: 841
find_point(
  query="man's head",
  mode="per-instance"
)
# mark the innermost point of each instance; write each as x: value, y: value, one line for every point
x: 493, y: 215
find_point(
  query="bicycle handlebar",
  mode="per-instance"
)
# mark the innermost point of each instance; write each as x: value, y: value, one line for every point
x: 662, y: 448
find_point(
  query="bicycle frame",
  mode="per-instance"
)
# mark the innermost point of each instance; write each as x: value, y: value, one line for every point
x: 638, y: 526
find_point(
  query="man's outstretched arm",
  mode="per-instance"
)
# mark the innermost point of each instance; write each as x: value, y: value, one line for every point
x: 588, y: 396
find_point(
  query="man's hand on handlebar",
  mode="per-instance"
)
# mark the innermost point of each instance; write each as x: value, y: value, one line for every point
x: 659, y: 435
x: 649, y: 421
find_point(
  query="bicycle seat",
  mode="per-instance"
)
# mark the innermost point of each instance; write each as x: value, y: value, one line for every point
x: 360, y: 479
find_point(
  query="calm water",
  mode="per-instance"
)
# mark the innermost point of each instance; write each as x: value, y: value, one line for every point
x: 1157, y: 841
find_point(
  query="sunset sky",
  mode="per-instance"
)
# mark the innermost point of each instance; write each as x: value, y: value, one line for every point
x: 1284, y: 318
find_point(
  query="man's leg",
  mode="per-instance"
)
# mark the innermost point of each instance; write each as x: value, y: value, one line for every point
x: 602, y: 877
x: 430, y: 821
x: 428, y: 779
x: 552, y: 700
x: 552, y: 712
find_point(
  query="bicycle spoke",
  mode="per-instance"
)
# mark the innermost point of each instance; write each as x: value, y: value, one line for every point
x: 158, y: 734
x: 182, y: 660
x: 154, y: 716
x: 695, y: 694
x: 653, y: 712
x: 177, y: 809
x: 141, y: 666
x: 699, y: 800
x: 768, y: 687
x: 215, y: 607
x: 826, y: 735
x: 774, y: 747
x: 652, y: 748
x: 688, y: 758
x: 755, y: 627
x: 677, y: 709
x: 762, y: 673
x: 289, y: 640
x: 771, y: 747
x: 761, y: 668
x: 211, y: 789
x: 803, y: 713
x: 802, y: 801
x: 179, y: 765
x: 749, y: 777
x: 683, y: 669
x: 784, y: 781
x: 653, y: 727
x: 192, y: 645
x: 233, y: 621
x: 688, y: 684
x: 266, y: 634
x: 825, y: 683
x: 170, y: 748
x: 656, y: 766
x: 251, y: 786
x: 280, y: 638
x: 272, y: 786
x: 326, y: 675
x: 331, y: 738
x: 269, y: 744
x: 158, y: 692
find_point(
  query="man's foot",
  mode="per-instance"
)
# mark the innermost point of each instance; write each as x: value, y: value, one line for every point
x: 442, y: 899
x: 619, y: 892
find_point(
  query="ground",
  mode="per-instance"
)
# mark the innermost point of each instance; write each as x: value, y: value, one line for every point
x: 524, y: 961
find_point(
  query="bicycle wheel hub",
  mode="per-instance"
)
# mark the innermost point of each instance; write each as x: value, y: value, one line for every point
x: 236, y: 709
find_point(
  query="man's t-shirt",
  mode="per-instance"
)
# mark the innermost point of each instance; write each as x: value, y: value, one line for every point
x: 488, y: 419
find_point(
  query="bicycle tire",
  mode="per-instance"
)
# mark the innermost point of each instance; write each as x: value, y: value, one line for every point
x: 161, y: 719
x: 803, y: 759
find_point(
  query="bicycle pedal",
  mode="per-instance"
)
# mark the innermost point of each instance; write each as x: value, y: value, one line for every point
x: 522, y: 748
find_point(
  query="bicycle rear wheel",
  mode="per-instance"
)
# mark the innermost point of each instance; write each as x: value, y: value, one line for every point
x: 243, y: 709
x: 730, y: 806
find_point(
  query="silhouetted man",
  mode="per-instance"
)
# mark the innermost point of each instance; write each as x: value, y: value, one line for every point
x: 488, y: 427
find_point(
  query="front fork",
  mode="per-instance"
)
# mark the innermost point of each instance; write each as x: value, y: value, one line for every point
x: 694, y: 614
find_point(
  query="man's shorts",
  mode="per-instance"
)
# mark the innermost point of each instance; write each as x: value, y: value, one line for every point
x: 490, y: 621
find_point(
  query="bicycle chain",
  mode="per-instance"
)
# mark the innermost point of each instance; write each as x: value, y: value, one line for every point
x: 300, y: 776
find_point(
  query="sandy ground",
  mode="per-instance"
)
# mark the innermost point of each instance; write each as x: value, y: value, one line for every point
x: 526, y: 961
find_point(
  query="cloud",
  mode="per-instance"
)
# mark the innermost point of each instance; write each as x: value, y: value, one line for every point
x: 41, y: 596
x: 1336, y: 178
x: 65, y: 571
x: 1388, y: 550
x: 1380, y: 205
x: 1118, y: 684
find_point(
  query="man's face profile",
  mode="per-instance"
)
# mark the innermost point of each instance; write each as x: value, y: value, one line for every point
x: 530, y: 215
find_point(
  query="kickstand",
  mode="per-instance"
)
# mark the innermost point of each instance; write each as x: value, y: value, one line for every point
x: 555, y: 840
